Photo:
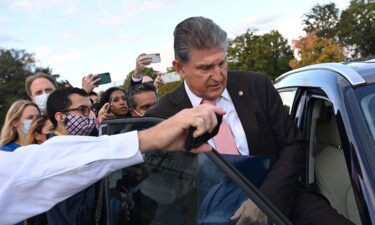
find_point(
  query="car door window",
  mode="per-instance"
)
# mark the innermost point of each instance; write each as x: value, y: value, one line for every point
x: 329, y: 175
x: 181, y: 188
x: 287, y: 96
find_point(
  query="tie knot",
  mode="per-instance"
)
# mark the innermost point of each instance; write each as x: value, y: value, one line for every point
x: 211, y: 102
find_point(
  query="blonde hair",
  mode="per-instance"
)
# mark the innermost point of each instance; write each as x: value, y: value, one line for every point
x: 9, y: 132
x: 36, y: 127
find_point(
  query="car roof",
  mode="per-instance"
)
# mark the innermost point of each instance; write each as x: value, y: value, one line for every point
x: 365, y: 69
x: 356, y: 73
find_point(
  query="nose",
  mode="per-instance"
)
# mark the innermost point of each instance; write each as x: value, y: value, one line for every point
x: 216, y: 74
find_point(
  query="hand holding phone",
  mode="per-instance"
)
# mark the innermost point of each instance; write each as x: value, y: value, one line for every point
x: 105, y: 78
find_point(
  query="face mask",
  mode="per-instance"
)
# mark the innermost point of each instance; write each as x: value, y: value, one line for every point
x: 79, y: 125
x: 26, y: 126
x: 41, y: 101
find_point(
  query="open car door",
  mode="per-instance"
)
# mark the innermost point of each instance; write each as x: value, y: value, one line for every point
x: 181, y: 187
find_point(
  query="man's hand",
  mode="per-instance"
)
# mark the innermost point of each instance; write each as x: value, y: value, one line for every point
x: 140, y: 63
x: 89, y: 82
x: 170, y: 135
x: 249, y: 213
x: 159, y: 82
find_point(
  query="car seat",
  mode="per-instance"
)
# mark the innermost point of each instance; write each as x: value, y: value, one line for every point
x: 331, y: 172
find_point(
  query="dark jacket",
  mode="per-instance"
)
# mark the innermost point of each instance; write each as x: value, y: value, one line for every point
x: 269, y: 130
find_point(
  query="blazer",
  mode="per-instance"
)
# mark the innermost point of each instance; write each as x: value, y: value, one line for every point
x: 269, y: 130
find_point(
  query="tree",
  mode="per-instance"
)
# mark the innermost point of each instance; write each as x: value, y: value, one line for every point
x: 322, y: 19
x: 268, y: 53
x: 312, y: 49
x: 356, y: 28
x: 15, y: 66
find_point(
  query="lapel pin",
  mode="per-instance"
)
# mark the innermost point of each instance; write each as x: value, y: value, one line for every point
x: 240, y: 93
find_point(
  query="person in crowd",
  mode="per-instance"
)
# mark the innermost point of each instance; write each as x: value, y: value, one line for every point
x: 255, y: 122
x: 113, y: 105
x: 40, y: 130
x: 140, y: 98
x: 16, y: 126
x: 65, y: 165
x: 38, y: 87
x: 141, y: 62
x: 17, y: 123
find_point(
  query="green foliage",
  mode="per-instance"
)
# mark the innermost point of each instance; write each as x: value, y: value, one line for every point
x: 323, y: 20
x: 168, y: 87
x: 356, y: 29
x: 268, y: 53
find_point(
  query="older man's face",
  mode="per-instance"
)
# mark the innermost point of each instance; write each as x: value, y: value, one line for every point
x: 205, y: 73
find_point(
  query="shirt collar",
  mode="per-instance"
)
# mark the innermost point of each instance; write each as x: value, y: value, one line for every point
x: 195, y: 100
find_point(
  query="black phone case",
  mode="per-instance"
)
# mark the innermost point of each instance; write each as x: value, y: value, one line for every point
x: 192, y: 142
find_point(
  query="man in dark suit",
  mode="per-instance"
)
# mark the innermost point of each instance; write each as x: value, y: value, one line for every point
x: 255, y: 115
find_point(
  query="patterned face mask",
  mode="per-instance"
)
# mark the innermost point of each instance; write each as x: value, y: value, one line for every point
x: 79, y: 125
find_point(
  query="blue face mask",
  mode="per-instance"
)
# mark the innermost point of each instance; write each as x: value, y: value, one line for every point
x: 26, y: 126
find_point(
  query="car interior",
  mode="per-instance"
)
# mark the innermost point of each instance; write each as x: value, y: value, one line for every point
x: 328, y: 171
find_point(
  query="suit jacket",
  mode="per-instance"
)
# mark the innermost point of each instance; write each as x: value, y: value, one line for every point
x: 269, y: 130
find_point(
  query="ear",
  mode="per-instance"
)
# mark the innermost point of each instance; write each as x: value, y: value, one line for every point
x: 179, y: 67
x: 16, y: 123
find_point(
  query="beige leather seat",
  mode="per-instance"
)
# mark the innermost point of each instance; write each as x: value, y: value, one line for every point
x: 331, y: 172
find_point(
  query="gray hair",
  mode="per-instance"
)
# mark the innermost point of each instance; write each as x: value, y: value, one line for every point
x: 198, y: 33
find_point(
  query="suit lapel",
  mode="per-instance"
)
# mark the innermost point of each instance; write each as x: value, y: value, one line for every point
x: 242, y: 101
x: 180, y: 98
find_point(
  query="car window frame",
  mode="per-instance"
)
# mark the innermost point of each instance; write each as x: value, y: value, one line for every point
x: 265, y: 205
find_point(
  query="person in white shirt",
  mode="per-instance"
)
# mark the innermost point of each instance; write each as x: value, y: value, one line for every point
x: 36, y: 177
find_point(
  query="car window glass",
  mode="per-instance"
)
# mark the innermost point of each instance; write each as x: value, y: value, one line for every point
x: 287, y: 96
x: 176, y: 188
x: 180, y: 188
x: 368, y: 109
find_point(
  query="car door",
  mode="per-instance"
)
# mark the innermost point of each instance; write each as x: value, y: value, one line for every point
x: 182, y: 188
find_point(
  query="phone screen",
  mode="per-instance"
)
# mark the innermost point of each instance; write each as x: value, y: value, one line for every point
x: 105, y: 78
x: 170, y: 77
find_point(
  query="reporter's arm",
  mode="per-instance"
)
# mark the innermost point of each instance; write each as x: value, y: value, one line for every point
x: 34, y: 178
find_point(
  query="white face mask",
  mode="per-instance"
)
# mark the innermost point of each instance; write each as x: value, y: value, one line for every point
x: 41, y: 101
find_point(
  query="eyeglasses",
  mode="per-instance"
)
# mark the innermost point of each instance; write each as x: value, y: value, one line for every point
x: 85, y: 110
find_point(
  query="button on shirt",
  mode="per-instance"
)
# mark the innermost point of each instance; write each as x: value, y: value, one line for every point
x: 34, y: 178
x: 231, y: 118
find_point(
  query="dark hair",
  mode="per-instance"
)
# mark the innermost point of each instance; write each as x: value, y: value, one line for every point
x: 59, y: 101
x: 36, y: 127
x: 139, y: 88
x: 198, y: 33
x: 93, y: 93
x: 30, y: 80
x: 105, y: 96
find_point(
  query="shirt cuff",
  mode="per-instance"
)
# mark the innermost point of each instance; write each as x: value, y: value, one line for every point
x: 137, y: 79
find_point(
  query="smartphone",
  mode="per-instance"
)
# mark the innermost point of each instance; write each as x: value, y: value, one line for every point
x: 105, y: 78
x: 155, y: 57
x: 171, y: 77
x: 109, y: 110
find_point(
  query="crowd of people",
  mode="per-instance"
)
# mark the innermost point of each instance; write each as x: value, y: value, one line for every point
x: 255, y: 123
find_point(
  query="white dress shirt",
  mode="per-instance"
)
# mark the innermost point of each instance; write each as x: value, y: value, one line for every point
x: 231, y: 118
x: 34, y: 178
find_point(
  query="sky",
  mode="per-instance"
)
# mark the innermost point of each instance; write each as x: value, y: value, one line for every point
x: 78, y: 37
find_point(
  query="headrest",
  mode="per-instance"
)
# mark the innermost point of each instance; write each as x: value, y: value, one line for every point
x: 327, y: 132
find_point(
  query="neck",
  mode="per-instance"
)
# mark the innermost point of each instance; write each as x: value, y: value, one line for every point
x: 62, y: 130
